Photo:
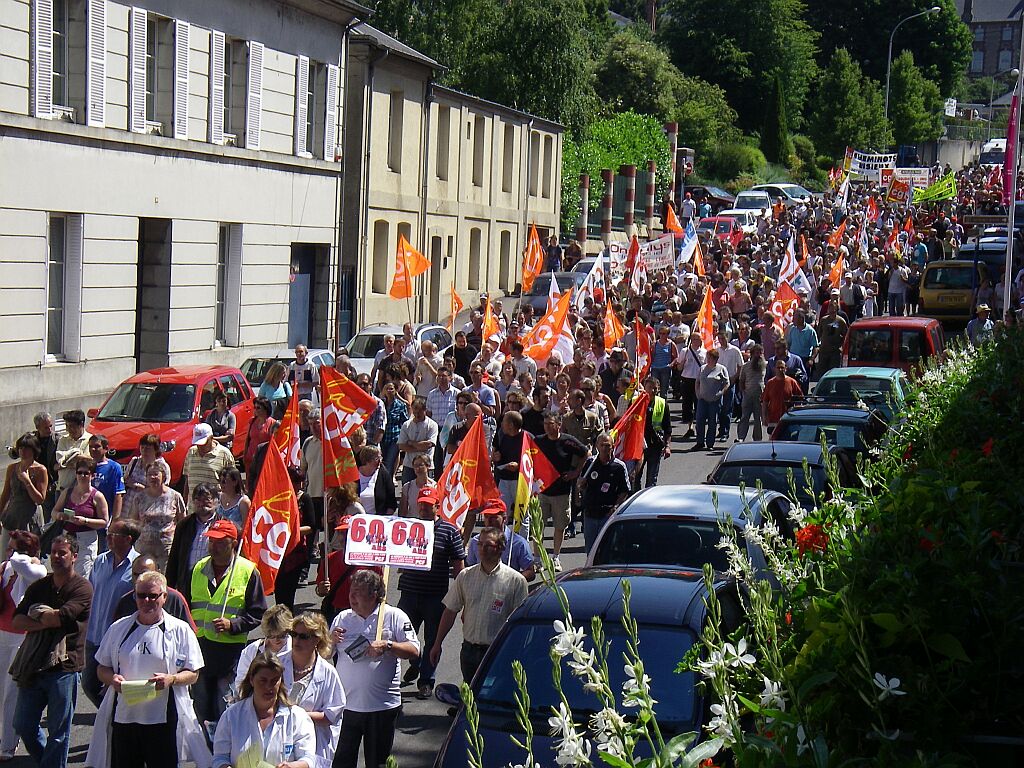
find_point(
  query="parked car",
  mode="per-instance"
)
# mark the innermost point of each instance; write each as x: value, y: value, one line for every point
x: 585, y: 264
x: 854, y: 428
x: 991, y: 252
x: 537, y: 297
x: 717, y: 197
x: 724, y: 228
x: 364, y: 346
x: 170, y: 402
x: 948, y: 289
x: 756, y: 199
x: 770, y: 464
x: 883, y: 388
x: 745, y: 217
x: 791, y: 194
x: 677, y: 526
x: 255, y: 368
x: 669, y: 608
x: 893, y: 342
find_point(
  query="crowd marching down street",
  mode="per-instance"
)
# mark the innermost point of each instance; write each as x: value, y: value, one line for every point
x: 151, y: 591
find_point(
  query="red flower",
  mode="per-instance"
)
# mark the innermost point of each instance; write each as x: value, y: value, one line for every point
x: 811, y: 538
x: 998, y: 537
x: 929, y: 540
x: 986, y: 449
x: 789, y: 618
x: 709, y: 763
x: 954, y: 453
x: 908, y: 452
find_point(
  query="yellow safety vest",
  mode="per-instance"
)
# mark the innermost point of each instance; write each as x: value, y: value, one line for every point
x: 658, y: 414
x: 206, y: 607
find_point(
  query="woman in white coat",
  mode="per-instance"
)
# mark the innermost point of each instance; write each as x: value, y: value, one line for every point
x: 147, y: 661
x: 275, y: 626
x: 21, y: 568
x: 264, y: 726
x: 313, y: 682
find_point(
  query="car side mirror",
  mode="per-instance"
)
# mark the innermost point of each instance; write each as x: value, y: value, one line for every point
x: 92, y: 413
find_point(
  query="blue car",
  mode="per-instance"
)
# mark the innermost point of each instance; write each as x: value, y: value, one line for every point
x: 668, y: 605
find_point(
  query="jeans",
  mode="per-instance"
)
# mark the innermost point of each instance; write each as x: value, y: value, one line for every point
x: 215, y: 678
x: 897, y: 302
x: 423, y: 609
x: 664, y: 377
x: 707, y: 421
x: 470, y: 657
x: 591, y: 528
x: 56, y: 692
x: 751, y: 409
x: 507, y: 489
x: 389, y: 455
x: 652, y: 458
x: 725, y: 414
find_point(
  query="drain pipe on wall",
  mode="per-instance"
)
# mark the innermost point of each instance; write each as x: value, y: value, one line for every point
x: 423, y: 298
x: 526, y: 207
x: 339, y: 200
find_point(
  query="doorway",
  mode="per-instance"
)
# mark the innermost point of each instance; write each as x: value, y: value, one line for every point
x: 435, y: 279
x: 153, y: 295
x: 300, y: 294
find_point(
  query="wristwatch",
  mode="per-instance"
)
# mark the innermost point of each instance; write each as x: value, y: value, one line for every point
x: 389, y: 645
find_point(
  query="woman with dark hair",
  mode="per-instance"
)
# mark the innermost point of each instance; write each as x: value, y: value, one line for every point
x: 261, y: 428
x: 83, y: 510
x: 265, y: 725
x: 233, y: 504
x: 150, y: 452
x: 20, y: 568
x: 24, y: 488
x: 222, y: 420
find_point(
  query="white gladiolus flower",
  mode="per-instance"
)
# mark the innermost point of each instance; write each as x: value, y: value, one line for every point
x: 738, y: 656
x: 636, y: 691
x: 606, y: 726
x: 714, y: 664
x: 890, y: 687
x: 772, y: 696
x: 561, y: 721
x: 801, y: 740
x: 568, y: 638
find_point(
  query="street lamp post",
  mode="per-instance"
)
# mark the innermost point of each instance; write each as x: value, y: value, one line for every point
x: 1014, y: 73
x: 888, y: 67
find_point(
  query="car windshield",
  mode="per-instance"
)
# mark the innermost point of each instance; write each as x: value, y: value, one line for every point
x: 773, y: 477
x: 840, y: 435
x: 949, y: 277
x: 150, y: 402
x: 661, y: 649
x: 751, y: 201
x: 795, y: 190
x: 670, y: 540
x: 845, y: 387
x: 366, y: 345
x: 871, y: 346
x: 706, y: 225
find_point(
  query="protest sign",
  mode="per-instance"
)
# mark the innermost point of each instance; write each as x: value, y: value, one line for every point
x: 398, y: 541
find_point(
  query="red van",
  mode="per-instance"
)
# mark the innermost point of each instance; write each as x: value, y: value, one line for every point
x: 170, y: 402
x: 893, y: 342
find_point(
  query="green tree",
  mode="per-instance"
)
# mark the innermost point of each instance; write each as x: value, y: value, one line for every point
x: 740, y: 45
x: 775, y: 141
x: 849, y: 109
x: 915, y: 104
x: 941, y: 42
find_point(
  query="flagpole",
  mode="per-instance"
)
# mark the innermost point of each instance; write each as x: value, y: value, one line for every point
x: 227, y: 585
x: 383, y: 603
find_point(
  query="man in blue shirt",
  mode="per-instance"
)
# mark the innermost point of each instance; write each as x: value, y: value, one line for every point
x: 111, y: 577
x: 517, y: 552
x: 802, y: 338
x: 108, y: 480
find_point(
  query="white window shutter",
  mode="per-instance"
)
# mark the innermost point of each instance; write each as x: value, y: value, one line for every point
x: 254, y: 96
x: 233, y: 288
x: 331, y: 118
x: 42, y: 58
x: 217, y: 94
x: 73, y: 260
x: 181, y: 43
x: 301, y: 87
x: 137, y: 72
x: 96, y: 64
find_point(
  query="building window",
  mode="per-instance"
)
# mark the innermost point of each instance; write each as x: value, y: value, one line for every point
x: 534, y: 162
x: 159, y: 73
x: 444, y: 139
x: 220, y: 319
x: 978, y: 61
x: 1005, y: 59
x: 979, y: 34
x: 479, y: 134
x: 63, y: 287
x: 380, y: 256
x: 508, y: 154
x: 504, y: 259
x: 61, y: 26
x: 55, y: 267
x: 316, y: 109
x: 396, y: 128
x: 549, y: 160
x: 1007, y: 33
x: 474, y: 259
x: 228, y: 78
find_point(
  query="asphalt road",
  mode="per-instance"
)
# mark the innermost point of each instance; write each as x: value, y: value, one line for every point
x: 423, y: 724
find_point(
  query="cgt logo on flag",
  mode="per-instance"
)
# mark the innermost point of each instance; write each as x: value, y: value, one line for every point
x: 269, y: 528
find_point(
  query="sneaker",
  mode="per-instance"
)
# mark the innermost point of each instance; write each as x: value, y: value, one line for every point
x: 426, y: 690
x: 558, y: 564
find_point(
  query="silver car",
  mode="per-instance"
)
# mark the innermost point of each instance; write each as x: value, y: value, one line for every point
x: 364, y: 346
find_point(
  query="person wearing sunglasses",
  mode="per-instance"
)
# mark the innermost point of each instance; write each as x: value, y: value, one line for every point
x: 162, y: 652
x: 83, y: 511
x: 313, y: 683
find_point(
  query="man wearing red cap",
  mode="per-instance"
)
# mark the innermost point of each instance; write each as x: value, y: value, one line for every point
x: 223, y: 625
x: 517, y: 553
x: 423, y: 591
x: 334, y: 587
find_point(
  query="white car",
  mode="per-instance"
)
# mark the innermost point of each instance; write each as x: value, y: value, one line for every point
x: 745, y: 217
x: 364, y: 346
x: 753, y: 199
x: 791, y: 194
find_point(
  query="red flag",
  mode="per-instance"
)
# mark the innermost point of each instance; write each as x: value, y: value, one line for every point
x: 643, y: 350
x: 892, y: 244
x: 345, y: 407
x: 908, y: 226
x: 408, y: 264
x: 467, y: 482
x: 706, y: 320
x: 542, y: 338
x: 872, y: 210
x: 838, y: 270
x: 994, y: 176
x: 272, y: 527
x: 836, y: 238
x: 628, y: 433
x: 533, y: 259
x: 633, y: 254
x: 535, y: 474
x: 671, y: 222
x: 786, y: 301
x: 613, y: 330
x: 286, y: 439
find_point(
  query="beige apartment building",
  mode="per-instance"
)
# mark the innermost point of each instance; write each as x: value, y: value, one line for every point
x: 174, y: 187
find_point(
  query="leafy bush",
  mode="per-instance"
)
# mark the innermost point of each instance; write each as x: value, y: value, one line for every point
x: 803, y: 148
x: 730, y: 160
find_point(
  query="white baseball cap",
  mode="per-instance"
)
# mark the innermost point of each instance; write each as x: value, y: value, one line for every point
x: 201, y: 433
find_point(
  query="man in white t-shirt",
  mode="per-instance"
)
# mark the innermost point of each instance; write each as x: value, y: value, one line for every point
x: 304, y: 375
x: 730, y: 356
x: 369, y: 670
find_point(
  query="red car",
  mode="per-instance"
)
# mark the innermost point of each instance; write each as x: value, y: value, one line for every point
x: 725, y: 228
x: 893, y: 342
x: 170, y: 402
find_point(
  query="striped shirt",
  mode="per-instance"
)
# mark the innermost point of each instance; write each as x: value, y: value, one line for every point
x: 207, y: 469
x: 441, y: 403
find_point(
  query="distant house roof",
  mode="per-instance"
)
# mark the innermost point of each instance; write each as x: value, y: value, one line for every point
x: 368, y: 34
x: 987, y: 10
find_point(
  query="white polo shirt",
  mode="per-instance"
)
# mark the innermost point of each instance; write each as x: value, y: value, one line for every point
x: 372, y: 685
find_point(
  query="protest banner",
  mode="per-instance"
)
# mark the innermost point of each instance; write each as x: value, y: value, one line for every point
x: 390, y: 541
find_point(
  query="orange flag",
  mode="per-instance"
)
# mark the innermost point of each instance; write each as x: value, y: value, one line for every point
x: 457, y: 306
x: 838, y: 270
x: 490, y: 327
x: 803, y: 252
x: 785, y: 304
x: 467, y: 482
x: 671, y: 222
x: 706, y: 320
x: 698, y: 260
x: 345, y: 407
x: 272, y: 527
x: 613, y: 330
x: 408, y: 264
x: 542, y: 338
x: 643, y: 350
x: 836, y: 238
x: 286, y: 439
x: 628, y: 432
x: 533, y: 259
